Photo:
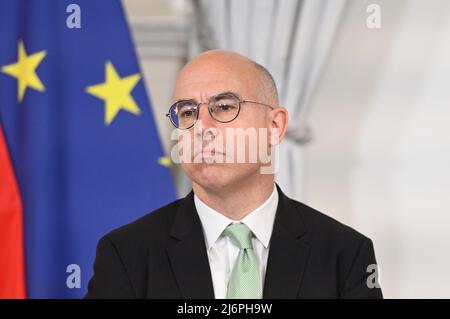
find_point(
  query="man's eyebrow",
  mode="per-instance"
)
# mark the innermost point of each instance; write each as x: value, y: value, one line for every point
x: 218, y: 94
x: 182, y: 100
x: 228, y: 93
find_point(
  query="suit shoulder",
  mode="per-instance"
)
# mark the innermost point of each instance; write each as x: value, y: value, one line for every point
x: 320, y: 224
x: 156, y: 223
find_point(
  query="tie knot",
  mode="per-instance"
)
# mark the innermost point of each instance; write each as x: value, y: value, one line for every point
x: 240, y: 235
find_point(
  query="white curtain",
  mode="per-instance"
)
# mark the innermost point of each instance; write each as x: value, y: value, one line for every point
x: 291, y: 38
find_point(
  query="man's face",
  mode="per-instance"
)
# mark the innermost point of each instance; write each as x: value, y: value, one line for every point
x: 199, y: 81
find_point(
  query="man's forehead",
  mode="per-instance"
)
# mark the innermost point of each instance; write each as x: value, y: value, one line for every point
x: 219, y: 71
x: 212, y: 82
x: 219, y: 58
x: 220, y: 64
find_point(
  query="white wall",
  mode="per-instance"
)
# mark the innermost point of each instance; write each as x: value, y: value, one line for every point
x: 380, y: 157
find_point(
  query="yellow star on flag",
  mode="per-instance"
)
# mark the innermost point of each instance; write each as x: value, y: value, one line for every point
x: 24, y: 70
x: 116, y: 92
x: 165, y: 161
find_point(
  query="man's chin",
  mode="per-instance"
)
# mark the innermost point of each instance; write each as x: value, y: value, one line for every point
x: 208, y: 175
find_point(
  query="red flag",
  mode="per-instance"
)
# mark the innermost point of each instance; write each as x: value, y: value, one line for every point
x: 12, y: 265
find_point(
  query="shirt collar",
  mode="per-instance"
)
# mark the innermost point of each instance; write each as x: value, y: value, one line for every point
x: 260, y: 221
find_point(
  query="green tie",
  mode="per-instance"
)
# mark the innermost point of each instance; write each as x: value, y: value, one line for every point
x: 244, y: 280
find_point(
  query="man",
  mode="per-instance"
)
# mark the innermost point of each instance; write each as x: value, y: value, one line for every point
x: 236, y: 235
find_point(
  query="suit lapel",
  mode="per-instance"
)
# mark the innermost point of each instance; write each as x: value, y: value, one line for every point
x: 188, y: 256
x: 288, y: 252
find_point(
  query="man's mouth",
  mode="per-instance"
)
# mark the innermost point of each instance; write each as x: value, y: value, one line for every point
x: 207, y: 153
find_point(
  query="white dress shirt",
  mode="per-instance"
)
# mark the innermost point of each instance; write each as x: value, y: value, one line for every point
x: 222, y: 253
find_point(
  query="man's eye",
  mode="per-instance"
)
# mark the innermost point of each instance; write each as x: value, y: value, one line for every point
x: 187, y: 113
x: 224, y: 107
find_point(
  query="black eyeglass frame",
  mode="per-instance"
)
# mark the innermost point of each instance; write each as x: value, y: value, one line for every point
x: 211, y: 99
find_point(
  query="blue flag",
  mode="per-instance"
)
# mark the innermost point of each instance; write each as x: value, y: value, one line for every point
x: 80, y: 133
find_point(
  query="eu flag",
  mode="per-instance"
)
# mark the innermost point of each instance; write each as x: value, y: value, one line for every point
x: 80, y: 136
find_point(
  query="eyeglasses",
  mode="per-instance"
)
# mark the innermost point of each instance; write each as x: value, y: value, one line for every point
x: 223, y: 108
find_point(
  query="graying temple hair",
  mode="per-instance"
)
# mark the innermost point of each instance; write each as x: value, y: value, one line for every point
x: 268, y: 82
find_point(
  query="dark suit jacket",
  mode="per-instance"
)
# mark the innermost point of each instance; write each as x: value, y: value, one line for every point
x: 163, y: 255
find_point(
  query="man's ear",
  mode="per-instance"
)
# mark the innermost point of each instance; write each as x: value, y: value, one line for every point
x: 278, y: 124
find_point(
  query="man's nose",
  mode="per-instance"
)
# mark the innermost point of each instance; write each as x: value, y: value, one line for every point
x: 205, y: 118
